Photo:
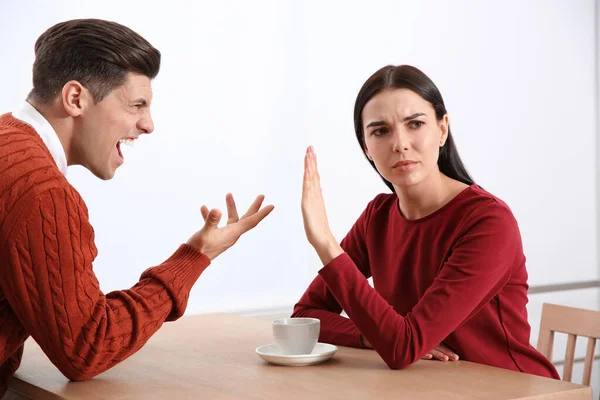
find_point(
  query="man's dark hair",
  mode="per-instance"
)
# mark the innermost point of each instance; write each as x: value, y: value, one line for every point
x: 97, y: 53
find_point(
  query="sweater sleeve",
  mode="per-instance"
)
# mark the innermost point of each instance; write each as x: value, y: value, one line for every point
x: 477, y: 268
x: 319, y: 302
x: 50, y: 285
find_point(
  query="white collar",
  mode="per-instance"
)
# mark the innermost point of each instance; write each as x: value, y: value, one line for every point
x: 28, y: 114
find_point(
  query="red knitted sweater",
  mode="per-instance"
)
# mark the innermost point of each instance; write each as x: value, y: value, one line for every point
x: 47, y: 285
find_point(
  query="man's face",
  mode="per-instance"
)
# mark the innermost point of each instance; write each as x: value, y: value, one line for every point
x: 104, y: 127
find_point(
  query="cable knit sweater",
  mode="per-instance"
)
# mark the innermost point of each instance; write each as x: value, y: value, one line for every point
x: 47, y: 285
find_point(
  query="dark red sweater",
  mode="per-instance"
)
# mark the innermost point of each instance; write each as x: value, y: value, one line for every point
x: 47, y: 286
x: 457, y: 275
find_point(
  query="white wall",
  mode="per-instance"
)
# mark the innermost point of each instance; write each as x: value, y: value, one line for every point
x: 245, y: 86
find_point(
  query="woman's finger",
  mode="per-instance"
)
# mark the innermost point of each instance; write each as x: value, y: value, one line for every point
x: 447, y: 351
x: 438, y: 355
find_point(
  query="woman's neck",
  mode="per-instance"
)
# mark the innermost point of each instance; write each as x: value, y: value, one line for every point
x: 433, y: 193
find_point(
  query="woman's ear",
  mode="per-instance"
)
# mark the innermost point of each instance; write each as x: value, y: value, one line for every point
x: 444, y: 128
x: 366, y: 151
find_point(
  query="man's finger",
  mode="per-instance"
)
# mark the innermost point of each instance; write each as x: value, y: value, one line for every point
x: 204, y: 212
x: 232, y: 214
x: 255, y: 206
x: 212, y: 219
x: 250, y: 222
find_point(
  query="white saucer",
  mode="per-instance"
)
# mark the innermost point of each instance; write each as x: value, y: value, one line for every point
x: 272, y: 354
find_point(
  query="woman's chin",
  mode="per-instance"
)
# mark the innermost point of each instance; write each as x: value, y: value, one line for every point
x: 406, y: 182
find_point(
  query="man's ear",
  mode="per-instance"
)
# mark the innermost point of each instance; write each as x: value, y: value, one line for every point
x: 75, y: 98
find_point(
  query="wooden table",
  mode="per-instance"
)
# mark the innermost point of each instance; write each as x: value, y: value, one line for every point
x: 212, y: 357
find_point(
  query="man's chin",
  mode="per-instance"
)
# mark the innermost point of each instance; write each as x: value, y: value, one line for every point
x: 105, y: 175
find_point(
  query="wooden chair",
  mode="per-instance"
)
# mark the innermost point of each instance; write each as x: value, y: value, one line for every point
x: 574, y: 322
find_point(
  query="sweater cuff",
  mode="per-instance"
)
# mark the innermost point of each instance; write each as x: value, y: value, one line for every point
x: 178, y: 274
x: 188, y: 262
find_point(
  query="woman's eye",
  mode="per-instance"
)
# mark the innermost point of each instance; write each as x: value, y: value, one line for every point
x: 379, y: 131
x: 416, y: 124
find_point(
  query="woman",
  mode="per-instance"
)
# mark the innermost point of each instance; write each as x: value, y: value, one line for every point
x: 445, y: 256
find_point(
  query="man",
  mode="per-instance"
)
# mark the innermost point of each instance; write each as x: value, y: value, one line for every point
x: 91, y: 93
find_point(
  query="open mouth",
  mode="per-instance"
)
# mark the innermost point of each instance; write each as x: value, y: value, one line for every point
x: 127, y: 142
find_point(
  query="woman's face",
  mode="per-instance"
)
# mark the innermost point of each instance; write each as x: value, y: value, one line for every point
x: 402, y: 136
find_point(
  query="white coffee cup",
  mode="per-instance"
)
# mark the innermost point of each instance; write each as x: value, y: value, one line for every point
x: 296, y: 335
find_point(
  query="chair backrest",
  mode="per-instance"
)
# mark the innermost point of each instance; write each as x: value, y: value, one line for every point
x: 574, y: 322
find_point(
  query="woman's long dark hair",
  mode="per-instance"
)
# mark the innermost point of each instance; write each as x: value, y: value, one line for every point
x: 408, y: 77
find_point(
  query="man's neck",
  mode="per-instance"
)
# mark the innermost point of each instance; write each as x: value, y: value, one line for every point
x: 59, y: 122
